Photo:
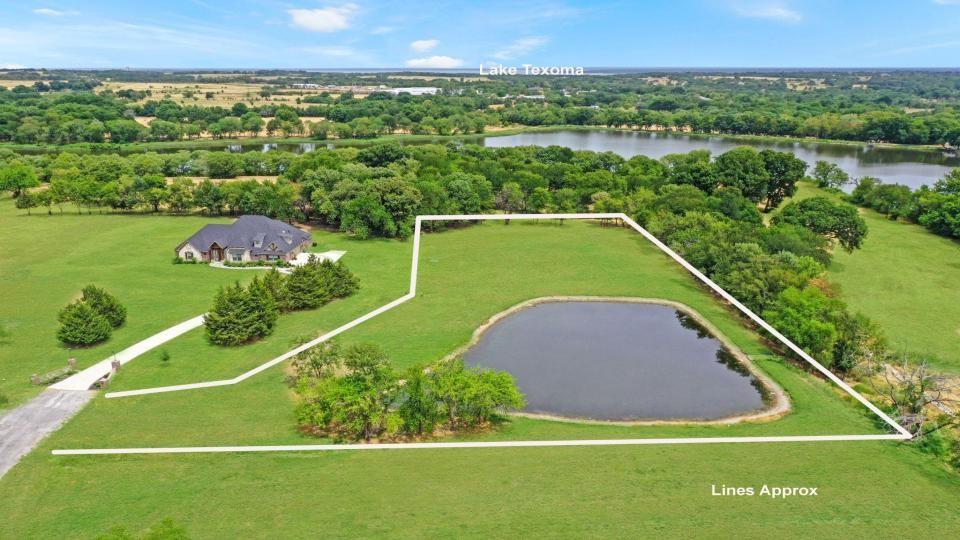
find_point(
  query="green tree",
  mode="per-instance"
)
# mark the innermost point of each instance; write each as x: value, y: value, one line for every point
x: 784, y: 170
x: 80, y: 324
x: 240, y: 315
x: 105, y: 304
x: 805, y: 317
x: 17, y: 177
x: 829, y: 175
x: 744, y: 167
x: 822, y: 215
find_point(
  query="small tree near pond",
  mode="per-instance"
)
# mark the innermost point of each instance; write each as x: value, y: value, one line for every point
x: 357, y: 395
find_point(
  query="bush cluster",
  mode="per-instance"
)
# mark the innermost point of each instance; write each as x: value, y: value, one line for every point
x: 354, y: 394
x: 936, y: 208
x: 243, y: 314
x: 91, y: 319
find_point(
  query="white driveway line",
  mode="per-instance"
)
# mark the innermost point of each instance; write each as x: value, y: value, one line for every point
x: 490, y: 444
x: 266, y: 365
x: 85, y: 379
x: 902, y: 433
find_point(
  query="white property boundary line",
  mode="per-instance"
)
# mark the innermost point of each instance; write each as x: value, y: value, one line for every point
x: 902, y: 433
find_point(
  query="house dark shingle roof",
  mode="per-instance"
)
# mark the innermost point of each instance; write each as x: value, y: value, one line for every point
x: 259, y: 234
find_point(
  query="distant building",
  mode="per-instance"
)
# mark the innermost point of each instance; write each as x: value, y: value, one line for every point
x: 249, y: 238
x: 414, y: 90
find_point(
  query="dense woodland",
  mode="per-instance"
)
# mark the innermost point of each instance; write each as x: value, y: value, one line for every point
x: 894, y: 107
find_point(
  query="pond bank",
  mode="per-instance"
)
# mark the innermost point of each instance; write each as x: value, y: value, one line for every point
x: 776, y: 402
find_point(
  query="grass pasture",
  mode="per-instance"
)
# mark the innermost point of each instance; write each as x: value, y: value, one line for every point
x: 905, y: 278
x: 467, y: 275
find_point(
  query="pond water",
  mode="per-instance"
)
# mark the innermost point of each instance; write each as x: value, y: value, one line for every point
x: 611, y: 360
x: 892, y: 165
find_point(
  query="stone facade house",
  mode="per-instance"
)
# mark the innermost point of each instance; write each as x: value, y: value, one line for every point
x: 249, y: 238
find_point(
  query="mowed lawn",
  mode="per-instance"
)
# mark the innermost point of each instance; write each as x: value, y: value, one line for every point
x: 48, y: 259
x: 908, y: 280
x: 866, y: 488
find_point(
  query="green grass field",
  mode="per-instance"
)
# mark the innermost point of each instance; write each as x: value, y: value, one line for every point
x: 905, y: 278
x: 866, y: 488
x: 49, y: 258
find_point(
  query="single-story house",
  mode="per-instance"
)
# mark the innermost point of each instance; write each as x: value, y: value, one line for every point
x: 249, y: 238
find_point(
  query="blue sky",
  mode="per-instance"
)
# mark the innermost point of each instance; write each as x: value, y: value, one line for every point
x: 410, y: 33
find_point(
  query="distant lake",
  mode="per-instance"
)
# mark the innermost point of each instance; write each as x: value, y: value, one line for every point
x: 617, y: 361
x: 892, y: 165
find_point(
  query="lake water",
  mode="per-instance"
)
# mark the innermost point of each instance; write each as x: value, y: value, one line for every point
x: 617, y: 361
x: 892, y: 165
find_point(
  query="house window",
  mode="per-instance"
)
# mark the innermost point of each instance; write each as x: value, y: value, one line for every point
x: 188, y: 255
x: 272, y: 246
x: 236, y: 257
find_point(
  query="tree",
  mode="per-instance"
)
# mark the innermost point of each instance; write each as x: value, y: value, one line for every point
x: 830, y: 175
x: 105, y: 304
x: 315, y: 283
x: 240, y: 315
x: 419, y: 408
x: 251, y: 122
x: 510, y: 198
x: 223, y: 165
x: 276, y: 285
x: 17, y: 177
x: 80, y: 324
x: 822, y: 215
x: 923, y: 401
x: 784, y: 170
x: 805, y: 317
x: 28, y: 201
x: 744, y: 167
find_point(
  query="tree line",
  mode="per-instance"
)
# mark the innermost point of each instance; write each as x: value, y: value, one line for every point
x: 895, y: 108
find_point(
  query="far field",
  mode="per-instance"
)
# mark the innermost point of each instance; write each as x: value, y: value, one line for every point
x: 908, y: 280
x: 467, y: 275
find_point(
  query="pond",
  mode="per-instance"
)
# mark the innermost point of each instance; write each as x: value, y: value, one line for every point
x: 910, y: 167
x: 612, y: 360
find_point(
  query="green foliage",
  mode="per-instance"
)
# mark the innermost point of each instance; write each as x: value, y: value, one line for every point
x: 805, y: 316
x: 746, y: 169
x: 105, y: 304
x: 17, y: 177
x: 827, y: 217
x: 80, y: 324
x: 354, y: 394
x: 240, y: 315
x: 830, y: 175
x: 317, y: 282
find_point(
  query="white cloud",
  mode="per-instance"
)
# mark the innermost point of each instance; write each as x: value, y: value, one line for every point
x: 382, y: 30
x: 435, y: 62
x: 53, y: 12
x: 12, y: 66
x: 328, y: 19
x: 521, y: 47
x: 424, y: 45
x: 764, y: 9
